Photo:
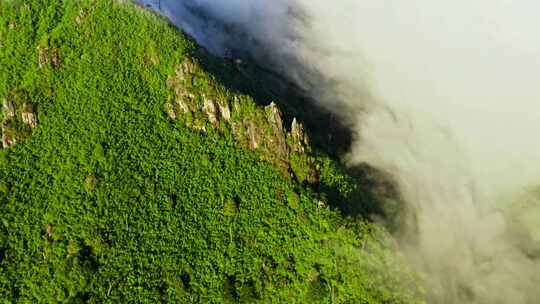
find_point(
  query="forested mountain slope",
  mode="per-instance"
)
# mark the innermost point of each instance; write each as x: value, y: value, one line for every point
x: 131, y: 173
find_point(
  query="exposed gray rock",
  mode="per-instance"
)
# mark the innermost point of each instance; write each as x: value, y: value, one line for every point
x: 182, y: 105
x: 188, y: 66
x: 253, y: 136
x: 211, y: 111
x: 42, y: 56
x: 277, y: 141
x: 8, y: 109
x: 47, y: 55
x: 254, y: 128
x: 173, y: 110
x: 55, y: 59
x: 224, y: 110
x: 179, y: 71
x: 273, y: 114
x: 299, y: 140
x: 12, y: 129
x: 8, y: 139
x: 182, y: 92
x: 236, y: 104
x: 28, y: 116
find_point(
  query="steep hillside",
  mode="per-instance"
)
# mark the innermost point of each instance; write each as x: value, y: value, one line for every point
x: 138, y: 168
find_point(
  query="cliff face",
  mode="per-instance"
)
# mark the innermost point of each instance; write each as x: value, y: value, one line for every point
x: 255, y: 128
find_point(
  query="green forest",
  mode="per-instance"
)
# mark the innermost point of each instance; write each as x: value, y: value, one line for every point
x: 138, y: 168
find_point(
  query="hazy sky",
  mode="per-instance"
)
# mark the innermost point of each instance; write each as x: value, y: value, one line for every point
x: 474, y: 64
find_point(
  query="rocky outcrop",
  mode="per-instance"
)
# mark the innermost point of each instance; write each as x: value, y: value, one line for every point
x: 19, y: 118
x: 28, y: 115
x: 211, y: 110
x: 48, y: 56
x: 191, y: 106
x: 273, y: 116
x: 8, y: 109
x: 256, y: 128
x: 252, y: 135
x: 176, y: 82
x: 298, y: 138
x: 224, y: 111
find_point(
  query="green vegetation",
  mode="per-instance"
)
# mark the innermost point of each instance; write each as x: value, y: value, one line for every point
x: 110, y: 194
